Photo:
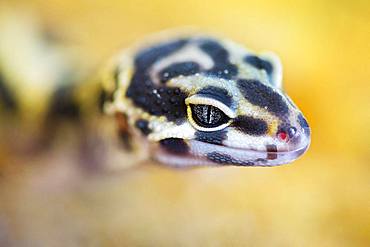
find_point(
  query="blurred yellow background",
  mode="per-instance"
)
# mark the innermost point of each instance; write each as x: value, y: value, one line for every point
x: 320, y: 200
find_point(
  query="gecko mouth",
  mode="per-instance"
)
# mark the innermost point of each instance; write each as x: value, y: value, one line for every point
x: 206, y: 154
x: 199, y: 153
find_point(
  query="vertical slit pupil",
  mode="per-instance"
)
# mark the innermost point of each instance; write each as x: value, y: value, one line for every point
x: 209, y: 110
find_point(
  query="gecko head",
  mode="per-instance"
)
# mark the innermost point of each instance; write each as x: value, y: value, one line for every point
x: 244, y: 123
x: 210, y: 101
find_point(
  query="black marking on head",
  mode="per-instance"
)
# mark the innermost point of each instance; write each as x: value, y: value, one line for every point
x: 6, y: 97
x: 215, y: 50
x: 259, y: 63
x: 226, y: 159
x: 149, y: 56
x: 177, y: 69
x: 225, y: 71
x: 63, y: 104
x: 271, y: 152
x: 302, y: 121
x: 222, y: 67
x: 215, y: 137
x: 143, y: 126
x: 157, y: 100
x: 263, y: 96
x: 217, y: 93
x: 250, y: 125
x: 174, y: 145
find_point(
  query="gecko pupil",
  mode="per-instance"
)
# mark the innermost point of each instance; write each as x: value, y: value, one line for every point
x: 208, y: 116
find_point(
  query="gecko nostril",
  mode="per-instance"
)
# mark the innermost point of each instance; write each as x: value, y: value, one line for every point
x: 292, y: 132
x: 287, y: 134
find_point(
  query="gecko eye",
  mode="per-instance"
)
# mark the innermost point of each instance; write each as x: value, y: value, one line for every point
x: 208, y: 116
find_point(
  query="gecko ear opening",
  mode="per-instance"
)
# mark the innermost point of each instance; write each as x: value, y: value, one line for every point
x: 276, y: 74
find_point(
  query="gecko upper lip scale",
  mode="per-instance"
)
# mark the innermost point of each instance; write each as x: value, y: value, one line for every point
x: 202, y: 153
x: 249, y: 158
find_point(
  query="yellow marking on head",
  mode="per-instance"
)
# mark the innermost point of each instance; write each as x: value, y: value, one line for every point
x: 125, y: 78
x: 273, y: 127
x: 124, y: 64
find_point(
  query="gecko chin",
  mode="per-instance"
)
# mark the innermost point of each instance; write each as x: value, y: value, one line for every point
x: 200, y: 153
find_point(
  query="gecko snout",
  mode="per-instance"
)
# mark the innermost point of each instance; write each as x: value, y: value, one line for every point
x: 294, y: 137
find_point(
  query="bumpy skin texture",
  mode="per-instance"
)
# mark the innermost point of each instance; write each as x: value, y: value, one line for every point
x: 203, y: 100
